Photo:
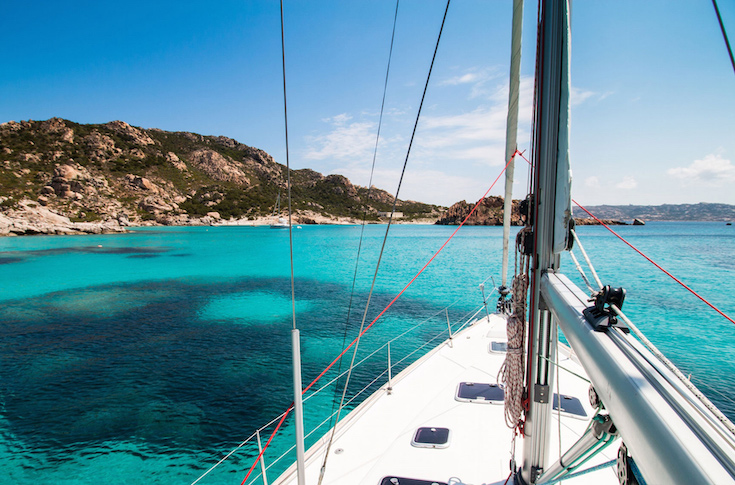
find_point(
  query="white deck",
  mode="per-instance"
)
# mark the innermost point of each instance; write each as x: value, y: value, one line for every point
x: 374, y: 440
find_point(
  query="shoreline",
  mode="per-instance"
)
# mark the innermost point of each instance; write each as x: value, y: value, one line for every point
x: 30, y: 218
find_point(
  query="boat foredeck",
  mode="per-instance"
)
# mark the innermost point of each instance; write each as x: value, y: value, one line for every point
x: 374, y: 441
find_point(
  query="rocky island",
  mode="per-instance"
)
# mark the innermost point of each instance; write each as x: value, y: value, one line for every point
x: 490, y: 213
x: 61, y: 177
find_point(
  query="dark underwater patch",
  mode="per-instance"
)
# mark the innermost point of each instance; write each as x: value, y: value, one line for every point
x: 72, y: 377
x: 97, y: 250
x: 10, y: 259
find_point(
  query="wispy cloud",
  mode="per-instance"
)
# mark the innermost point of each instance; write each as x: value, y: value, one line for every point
x: 592, y: 182
x: 712, y: 170
x: 628, y: 183
x: 478, y: 79
x: 453, y: 151
x: 477, y: 135
x: 579, y: 96
x: 346, y: 140
x: 470, y: 77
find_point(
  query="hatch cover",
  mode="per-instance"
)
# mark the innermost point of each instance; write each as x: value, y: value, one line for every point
x: 408, y: 481
x: 480, y: 392
x: 570, y: 405
x: 431, y: 438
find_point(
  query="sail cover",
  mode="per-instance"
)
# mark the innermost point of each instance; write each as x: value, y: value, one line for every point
x: 563, y: 202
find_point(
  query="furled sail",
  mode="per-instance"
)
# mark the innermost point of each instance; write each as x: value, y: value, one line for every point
x: 563, y: 203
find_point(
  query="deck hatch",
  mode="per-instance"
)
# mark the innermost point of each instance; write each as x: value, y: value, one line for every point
x: 498, y: 347
x: 570, y: 405
x: 408, y: 481
x: 431, y: 438
x: 480, y: 392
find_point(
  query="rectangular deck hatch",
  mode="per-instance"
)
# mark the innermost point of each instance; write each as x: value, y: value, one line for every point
x: 570, y: 405
x: 480, y: 392
x: 498, y: 347
x: 431, y: 438
x: 408, y: 481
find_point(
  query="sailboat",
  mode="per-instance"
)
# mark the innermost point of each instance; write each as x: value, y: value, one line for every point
x: 502, y: 400
x: 280, y: 223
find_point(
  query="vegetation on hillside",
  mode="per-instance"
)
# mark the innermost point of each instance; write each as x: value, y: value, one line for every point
x: 113, y: 170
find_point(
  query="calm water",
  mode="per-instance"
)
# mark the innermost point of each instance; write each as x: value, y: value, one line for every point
x: 145, y: 357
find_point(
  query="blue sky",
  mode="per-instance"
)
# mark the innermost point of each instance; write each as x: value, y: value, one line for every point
x: 653, y: 116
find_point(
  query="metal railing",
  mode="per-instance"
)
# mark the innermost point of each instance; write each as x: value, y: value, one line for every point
x: 255, y: 438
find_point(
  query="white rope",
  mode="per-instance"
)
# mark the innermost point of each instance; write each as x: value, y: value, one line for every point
x: 586, y: 258
x: 670, y: 365
x: 657, y: 353
x: 581, y: 272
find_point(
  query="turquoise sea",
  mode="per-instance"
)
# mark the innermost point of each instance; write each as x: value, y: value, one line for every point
x: 146, y: 357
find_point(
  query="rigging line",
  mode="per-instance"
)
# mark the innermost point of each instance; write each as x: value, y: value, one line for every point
x: 587, y: 259
x: 364, y: 219
x: 290, y: 229
x: 339, y: 376
x: 601, y: 466
x: 390, y: 219
x: 675, y: 370
x: 656, y: 264
x: 288, y: 170
x: 581, y: 272
x: 270, y: 438
x: 317, y: 378
x: 715, y: 390
x: 565, y: 369
x: 412, y: 280
x: 724, y: 34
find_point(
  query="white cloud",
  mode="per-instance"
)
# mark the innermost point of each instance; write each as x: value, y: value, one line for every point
x: 456, y: 153
x: 470, y: 77
x: 477, y: 135
x: 340, y: 119
x: 578, y: 96
x: 712, y: 170
x: 478, y: 78
x: 628, y: 183
x: 345, y: 140
x: 433, y: 186
x: 592, y: 182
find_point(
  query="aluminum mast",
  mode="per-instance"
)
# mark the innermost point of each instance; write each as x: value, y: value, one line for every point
x: 551, y: 185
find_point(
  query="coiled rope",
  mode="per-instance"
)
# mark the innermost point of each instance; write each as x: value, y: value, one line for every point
x: 511, y: 373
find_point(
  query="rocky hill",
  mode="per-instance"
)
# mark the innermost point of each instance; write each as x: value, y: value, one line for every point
x: 490, y: 213
x: 665, y: 212
x: 121, y: 174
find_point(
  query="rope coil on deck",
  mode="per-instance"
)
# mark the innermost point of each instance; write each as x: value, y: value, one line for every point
x: 511, y: 373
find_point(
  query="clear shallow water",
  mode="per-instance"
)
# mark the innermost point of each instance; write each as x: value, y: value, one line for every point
x: 143, y: 358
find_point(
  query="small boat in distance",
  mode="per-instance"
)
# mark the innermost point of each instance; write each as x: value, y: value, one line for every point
x: 281, y: 223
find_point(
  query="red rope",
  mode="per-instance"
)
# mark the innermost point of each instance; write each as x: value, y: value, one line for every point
x: 267, y: 443
x: 655, y: 264
x: 382, y: 312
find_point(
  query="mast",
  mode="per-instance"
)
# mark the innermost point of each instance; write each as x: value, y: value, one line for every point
x: 511, y: 127
x: 551, y: 207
